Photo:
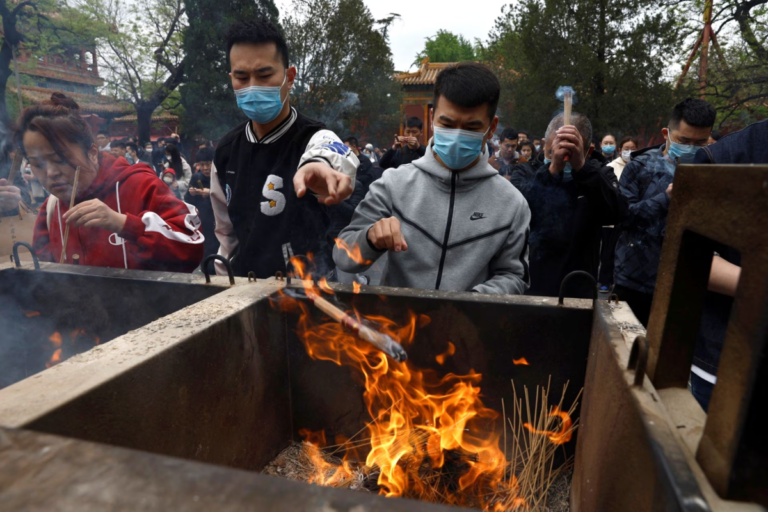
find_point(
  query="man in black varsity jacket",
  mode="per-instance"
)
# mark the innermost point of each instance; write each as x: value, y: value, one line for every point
x: 265, y: 166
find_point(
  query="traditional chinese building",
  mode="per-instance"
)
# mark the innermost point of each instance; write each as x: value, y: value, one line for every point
x: 418, y: 90
x: 76, y: 74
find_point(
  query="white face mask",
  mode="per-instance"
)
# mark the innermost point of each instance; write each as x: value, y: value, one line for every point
x: 168, y: 179
x: 625, y: 155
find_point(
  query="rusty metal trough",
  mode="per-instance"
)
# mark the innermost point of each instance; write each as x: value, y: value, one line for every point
x: 183, y: 412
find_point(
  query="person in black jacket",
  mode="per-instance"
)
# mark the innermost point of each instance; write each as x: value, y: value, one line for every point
x: 407, y: 148
x: 365, y: 171
x: 570, y: 201
x: 199, y: 196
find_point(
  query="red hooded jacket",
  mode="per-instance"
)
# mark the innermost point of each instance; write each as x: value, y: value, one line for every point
x: 160, y: 233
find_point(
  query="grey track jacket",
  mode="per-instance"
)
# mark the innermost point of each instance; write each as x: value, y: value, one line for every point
x: 465, y: 230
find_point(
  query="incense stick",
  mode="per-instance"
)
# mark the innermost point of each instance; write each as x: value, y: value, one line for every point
x: 567, y: 107
x: 71, y: 205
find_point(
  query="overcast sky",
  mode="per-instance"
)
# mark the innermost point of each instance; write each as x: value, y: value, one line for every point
x: 422, y: 18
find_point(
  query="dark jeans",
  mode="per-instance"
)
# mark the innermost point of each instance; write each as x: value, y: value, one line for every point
x: 609, y: 238
x: 701, y: 390
x: 639, y: 302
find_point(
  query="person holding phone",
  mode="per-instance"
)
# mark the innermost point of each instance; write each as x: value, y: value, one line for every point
x: 406, y: 148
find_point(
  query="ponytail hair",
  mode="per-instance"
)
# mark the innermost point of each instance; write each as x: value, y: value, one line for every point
x: 59, y: 121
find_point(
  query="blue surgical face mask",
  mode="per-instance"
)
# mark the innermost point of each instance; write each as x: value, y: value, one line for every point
x: 261, y: 104
x: 457, y: 148
x: 684, y: 152
x: 538, y: 147
x: 609, y: 150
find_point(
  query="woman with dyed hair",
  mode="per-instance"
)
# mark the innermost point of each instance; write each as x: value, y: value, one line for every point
x: 123, y: 215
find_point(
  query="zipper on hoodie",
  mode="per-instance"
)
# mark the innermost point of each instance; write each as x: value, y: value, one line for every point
x: 447, y: 231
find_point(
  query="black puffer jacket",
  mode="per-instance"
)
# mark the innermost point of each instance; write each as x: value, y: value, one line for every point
x: 567, y: 215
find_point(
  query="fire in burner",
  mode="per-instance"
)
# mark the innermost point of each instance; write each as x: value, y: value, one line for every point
x: 430, y: 436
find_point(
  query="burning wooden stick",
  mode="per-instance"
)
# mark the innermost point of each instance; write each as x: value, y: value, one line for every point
x: 381, y: 341
x: 71, y: 205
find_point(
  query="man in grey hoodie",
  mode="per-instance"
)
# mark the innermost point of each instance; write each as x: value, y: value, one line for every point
x: 448, y: 220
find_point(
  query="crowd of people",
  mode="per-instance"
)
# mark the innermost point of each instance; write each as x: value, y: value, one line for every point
x: 476, y: 208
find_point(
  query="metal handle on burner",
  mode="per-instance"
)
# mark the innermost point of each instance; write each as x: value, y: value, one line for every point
x: 638, y: 359
x: 226, y: 263
x: 576, y: 273
x: 16, y: 259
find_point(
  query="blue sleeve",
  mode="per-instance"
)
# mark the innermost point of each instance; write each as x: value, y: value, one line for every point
x: 634, y: 192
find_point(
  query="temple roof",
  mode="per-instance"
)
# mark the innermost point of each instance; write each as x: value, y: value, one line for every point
x: 425, y: 75
x: 164, y: 116
x: 59, y: 73
x: 89, y: 103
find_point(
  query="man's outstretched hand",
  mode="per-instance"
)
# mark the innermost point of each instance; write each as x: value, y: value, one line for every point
x: 331, y: 186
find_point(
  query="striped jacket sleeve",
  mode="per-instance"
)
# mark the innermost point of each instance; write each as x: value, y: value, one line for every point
x: 225, y: 232
x: 325, y: 146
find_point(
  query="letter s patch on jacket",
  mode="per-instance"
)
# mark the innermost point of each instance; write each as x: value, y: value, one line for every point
x: 276, y: 200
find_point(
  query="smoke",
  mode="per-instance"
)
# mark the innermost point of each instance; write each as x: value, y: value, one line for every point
x: 334, y: 115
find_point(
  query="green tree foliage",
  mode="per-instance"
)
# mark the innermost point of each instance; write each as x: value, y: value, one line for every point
x: 737, y: 71
x: 210, y: 109
x: 42, y: 27
x: 446, y: 46
x: 141, y: 54
x: 344, y: 67
x: 611, y: 52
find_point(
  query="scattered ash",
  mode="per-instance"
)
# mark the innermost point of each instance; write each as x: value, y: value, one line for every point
x: 559, y: 496
x: 297, y: 463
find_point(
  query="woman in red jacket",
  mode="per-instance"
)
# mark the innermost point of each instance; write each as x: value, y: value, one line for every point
x: 123, y: 215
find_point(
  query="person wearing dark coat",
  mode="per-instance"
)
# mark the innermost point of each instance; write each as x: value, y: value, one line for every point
x: 743, y: 147
x: 570, y: 202
x: 341, y: 214
x: 199, y: 196
x: 647, y: 183
x: 407, y: 148
x: 366, y: 174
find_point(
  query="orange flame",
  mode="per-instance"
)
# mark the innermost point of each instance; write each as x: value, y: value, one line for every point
x: 55, y: 338
x: 522, y: 361
x: 353, y: 252
x: 323, y: 284
x: 441, y: 357
x: 55, y: 358
x: 31, y: 314
x: 419, y: 419
x: 356, y: 287
x: 565, y: 433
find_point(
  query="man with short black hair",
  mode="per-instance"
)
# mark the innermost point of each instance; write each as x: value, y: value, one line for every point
x: 102, y: 140
x: 264, y: 168
x: 407, y: 148
x: 448, y: 220
x: 507, y: 157
x: 571, y: 197
x: 117, y: 149
x: 646, y: 183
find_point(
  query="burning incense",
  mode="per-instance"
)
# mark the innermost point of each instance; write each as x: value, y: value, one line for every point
x: 71, y: 205
x: 565, y: 94
x: 567, y: 106
x: 381, y: 341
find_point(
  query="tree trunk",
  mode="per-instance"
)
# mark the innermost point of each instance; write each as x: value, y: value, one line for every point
x: 6, y: 58
x: 144, y: 119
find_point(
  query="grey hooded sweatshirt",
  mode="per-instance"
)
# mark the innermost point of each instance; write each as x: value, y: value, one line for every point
x: 465, y: 230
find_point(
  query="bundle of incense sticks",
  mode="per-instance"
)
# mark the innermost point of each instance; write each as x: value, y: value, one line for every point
x: 71, y: 205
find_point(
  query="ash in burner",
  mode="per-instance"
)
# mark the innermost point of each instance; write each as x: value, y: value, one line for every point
x: 304, y: 462
x: 299, y: 462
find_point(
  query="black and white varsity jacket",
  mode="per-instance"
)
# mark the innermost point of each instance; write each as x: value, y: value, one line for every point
x: 257, y: 212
